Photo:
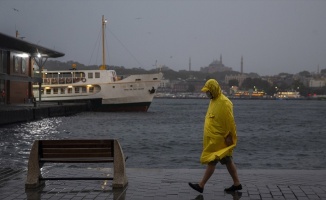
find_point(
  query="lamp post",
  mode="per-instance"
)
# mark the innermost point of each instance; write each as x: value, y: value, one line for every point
x: 40, y: 61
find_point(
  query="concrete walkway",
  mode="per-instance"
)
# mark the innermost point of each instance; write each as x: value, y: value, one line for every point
x: 168, y: 184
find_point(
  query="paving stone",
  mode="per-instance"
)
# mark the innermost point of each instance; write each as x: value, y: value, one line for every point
x: 173, y: 184
x: 255, y: 197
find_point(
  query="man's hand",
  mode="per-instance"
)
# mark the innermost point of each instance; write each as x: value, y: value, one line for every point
x: 228, y: 140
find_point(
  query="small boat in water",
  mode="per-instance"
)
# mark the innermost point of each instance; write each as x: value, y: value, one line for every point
x: 288, y: 95
x: 103, y: 89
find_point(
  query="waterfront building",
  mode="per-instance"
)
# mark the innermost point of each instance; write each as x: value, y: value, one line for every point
x: 239, y: 77
x: 20, y: 62
x: 316, y: 83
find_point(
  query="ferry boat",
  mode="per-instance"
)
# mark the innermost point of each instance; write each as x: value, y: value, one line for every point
x: 249, y: 95
x: 103, y: 89
x: 288, y: 95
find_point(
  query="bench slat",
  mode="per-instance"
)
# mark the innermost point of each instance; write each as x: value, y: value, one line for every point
x: 76, y: 150
x: 75, y: 155
x: 79, y: 145
x: 76, y: 160
x: 77, y: 178
x: 45, y: 142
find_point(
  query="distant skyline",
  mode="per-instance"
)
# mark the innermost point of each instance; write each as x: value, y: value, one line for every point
x: 272, y: 36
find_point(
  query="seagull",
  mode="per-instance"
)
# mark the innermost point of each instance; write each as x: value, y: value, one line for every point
x: 15, y: 9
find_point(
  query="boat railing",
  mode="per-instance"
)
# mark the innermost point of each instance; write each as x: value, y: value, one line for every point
x: 63, y: 80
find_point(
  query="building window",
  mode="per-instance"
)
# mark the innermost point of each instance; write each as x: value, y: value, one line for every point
x: 24, y: 65
x: 3, y: 61
x: 69, y: 90
x: 90, y: 75
x: 55, y: 90
x: 48, y: 91
x: 91, y: 89
x: 97, y: 74
x: 76, y: 89
x: 62, y: 90
x: 2, y: 90
x: 17, y: 63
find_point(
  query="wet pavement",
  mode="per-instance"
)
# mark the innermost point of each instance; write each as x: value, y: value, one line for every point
x: 167, y: 184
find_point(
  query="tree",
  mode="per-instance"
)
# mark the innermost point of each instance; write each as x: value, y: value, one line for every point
x: 299, y: 86
x: 305, y: 74
x: 233, y: 82
x: 257, y: 83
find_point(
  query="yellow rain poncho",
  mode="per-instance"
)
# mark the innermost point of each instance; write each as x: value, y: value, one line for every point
x: 219, y: 123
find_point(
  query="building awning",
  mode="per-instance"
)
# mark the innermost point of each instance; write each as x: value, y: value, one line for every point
x: 15, y: 44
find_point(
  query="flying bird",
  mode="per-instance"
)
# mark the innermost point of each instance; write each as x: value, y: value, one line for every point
x: 15, y: 9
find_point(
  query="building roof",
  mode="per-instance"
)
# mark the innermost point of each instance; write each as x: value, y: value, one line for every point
x: 12, y: 43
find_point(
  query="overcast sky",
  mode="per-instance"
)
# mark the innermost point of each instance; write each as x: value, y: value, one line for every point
x: 272, y: 36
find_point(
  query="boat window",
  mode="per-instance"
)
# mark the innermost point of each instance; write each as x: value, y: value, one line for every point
x: 154, y: 78
x: 97, y: 74
x: 76, y: 89
x: 66, y: 75
x: 48, y: 91
x: 130, y: 85
x: 90, y: 75
x: 84, y: 90
x: 113, y: 86
x: 47, y: 75
x: 91, y: 89
x: 62, y: 90
x: 80, y: 74
x: 138, y: 79
x: 55, y: 90
x: 69, y: 90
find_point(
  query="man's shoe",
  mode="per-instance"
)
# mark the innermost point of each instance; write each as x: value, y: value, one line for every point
x: 196, y: 187
x: 233, y: 188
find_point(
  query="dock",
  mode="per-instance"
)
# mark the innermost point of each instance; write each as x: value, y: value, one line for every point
x: 18, y: 113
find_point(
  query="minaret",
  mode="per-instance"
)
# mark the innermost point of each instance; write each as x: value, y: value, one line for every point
x: 189, y: 63
x: 241, y: 64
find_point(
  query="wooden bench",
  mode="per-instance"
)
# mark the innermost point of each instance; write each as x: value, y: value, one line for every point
x: 76, y: 151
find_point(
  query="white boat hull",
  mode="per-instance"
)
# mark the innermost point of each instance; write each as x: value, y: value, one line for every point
x: 106, y: 93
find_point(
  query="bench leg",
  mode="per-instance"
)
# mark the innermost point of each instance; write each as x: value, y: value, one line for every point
x: 120, y: 179
x: 33, y: 171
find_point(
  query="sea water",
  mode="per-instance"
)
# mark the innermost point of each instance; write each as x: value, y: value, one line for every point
x: 272, y: 134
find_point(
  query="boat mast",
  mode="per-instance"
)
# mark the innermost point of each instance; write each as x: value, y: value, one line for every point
x: 103, y: 67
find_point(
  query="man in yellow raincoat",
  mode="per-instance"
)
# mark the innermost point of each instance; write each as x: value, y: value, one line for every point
x: 219, y: 138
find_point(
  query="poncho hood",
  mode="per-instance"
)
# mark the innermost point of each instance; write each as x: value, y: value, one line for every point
x: 212, y: 86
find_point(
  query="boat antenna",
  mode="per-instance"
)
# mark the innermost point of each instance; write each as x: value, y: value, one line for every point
x: 103, y: 66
